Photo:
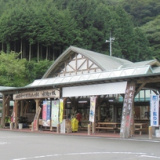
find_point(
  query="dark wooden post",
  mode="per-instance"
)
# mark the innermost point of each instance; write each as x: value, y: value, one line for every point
x: 37, y: 113
x: 16, y: 114
x: 3, y: 112
x: 5, y: 109
x: 127, y: 113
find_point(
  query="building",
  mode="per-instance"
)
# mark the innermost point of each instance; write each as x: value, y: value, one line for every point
x: 118, y: 89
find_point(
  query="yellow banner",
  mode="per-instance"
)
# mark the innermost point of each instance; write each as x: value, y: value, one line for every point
x: 61, y: 111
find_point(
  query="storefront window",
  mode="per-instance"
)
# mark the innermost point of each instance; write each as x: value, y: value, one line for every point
x: 106, y: 112
x: 141, y: 113
x: 142, y: 97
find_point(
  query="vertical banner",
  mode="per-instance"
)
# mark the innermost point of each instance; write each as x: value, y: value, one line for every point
x: 61, y: 111
x: 154, y: 110
x: 127, y: 112
x: 92, y: 109
x: 55, y: 113
x: 46, y: 113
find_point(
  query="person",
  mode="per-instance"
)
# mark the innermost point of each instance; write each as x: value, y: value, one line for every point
x: 79, y: 117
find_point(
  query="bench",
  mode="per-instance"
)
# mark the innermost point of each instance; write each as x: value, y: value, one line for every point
x: 106, y: 128
x: 110, y: 126
x: 141, y: 128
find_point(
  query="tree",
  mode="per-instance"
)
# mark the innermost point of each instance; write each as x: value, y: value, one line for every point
x: 35, y: 26
x: 36, y: 70
x: 12, y: 70
x: 152, y: 31
x: 142, y: 11
x: 141, y: 51
x: 44, y: 29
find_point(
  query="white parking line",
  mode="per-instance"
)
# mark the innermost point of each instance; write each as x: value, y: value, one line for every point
x: 2, y: 143
x: 147, y: 156
x: 85, y: 153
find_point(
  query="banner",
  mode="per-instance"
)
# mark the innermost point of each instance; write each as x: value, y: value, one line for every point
x: 61, y: 111
x: 46, y: 113
x: 55, y: 113
x: 154, y: 105
x: 92, y: 109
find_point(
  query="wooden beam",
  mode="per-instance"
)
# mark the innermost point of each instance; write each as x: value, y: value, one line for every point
x: 82, y: 64
x: 141, y: 86
x: 149, y: 80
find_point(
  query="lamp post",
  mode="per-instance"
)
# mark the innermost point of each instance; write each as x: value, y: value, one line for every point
x: 111, y: 39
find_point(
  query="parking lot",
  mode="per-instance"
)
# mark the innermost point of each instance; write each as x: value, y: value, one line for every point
x: 46, y: 146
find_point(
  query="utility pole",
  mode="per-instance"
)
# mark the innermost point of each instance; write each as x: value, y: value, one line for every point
x: 111, y: 39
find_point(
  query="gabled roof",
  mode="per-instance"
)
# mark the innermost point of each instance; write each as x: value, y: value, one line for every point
x: 105, y: 62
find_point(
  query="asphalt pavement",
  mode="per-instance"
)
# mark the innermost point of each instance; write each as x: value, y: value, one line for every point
x: 22, y: 145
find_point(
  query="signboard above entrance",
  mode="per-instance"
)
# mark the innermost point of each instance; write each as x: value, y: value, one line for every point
x: 95, y: 89
x: 37, y: 94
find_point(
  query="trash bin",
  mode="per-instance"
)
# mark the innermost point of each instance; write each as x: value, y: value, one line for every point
x: 20, y: 125
x: 74, y: 125
x: 11, y: 125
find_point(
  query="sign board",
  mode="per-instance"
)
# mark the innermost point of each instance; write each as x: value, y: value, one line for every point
x: 95, y: 89
x: 92, y: 109
x: 154, y: 110
x: 37, y: 94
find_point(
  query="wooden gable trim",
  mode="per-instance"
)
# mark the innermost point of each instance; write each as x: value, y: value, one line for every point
x: 77, y: 64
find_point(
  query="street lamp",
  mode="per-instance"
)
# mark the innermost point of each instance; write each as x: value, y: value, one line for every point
x: 111, y: 39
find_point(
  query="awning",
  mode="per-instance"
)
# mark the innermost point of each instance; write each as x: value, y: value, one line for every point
x: 96, y: 89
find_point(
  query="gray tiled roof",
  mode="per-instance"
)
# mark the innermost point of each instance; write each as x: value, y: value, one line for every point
x: 106, y: 62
